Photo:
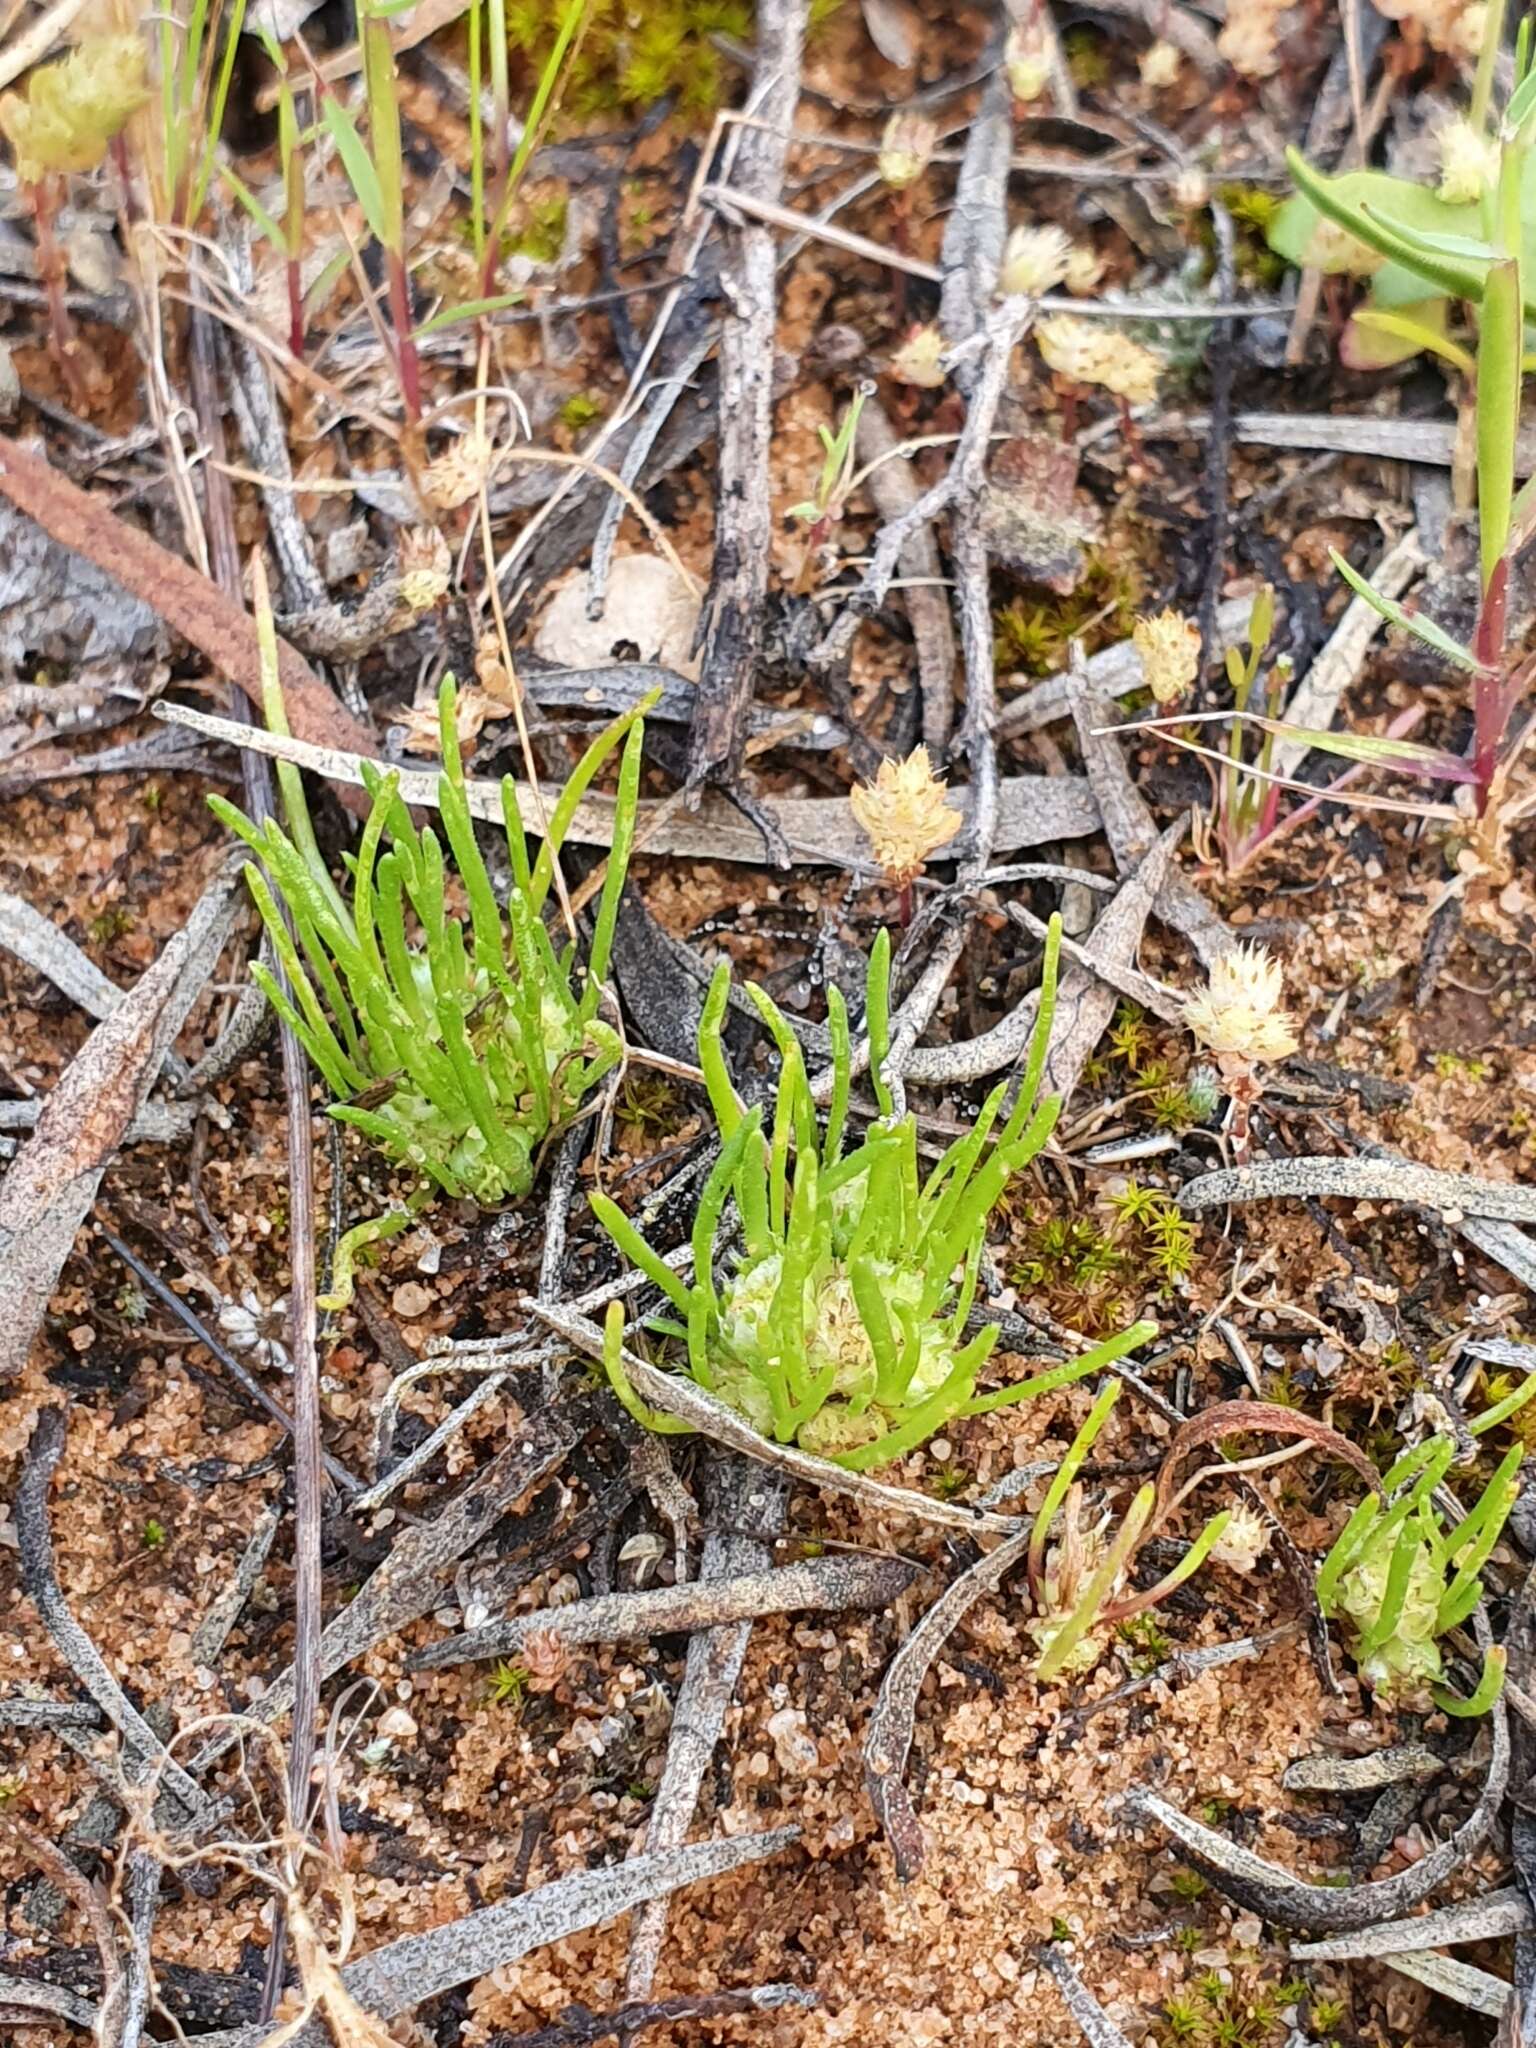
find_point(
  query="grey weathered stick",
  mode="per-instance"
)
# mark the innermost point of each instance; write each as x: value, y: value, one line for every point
x: 1396, y: 440
x: 1454, y: 1195
x: 406, y: 1973
x: 1128, y: 824
x: 1325, y: 1772
x: 21, y: 1997
x: 1276, y: 1896
x: 978, y: 225
x: 30, y: 1713
x: 888, y: 1740
x: 212, y: 1632
x: 1115, y: 937
x: 410, y: 1580
x: 820, y: 831
x: 1182, y: 1664
x: 892, y: 484
x: 749, y: 1511
x: 677, y: 1395
x: 39, y: 1579
x: 833, y: 1585
x: 1085, y: 1002
x: 1493, y: 1917
x: 1097, y: 2028
x: 1476, y: 1989
x: 38, y: 941
x: 53, y: 1181
x: 731, y: 627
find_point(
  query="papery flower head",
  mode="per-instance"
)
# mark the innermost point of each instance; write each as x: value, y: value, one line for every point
x: 1092, y: 352
x: 425, y: 567
x: 1248, y: 40
x: 904, y: 813
x: 1169, y: 646
x: 1034, y: 261
x: 1160, y: 65
x: 1243, y: 1541
x: 1239, y: 1015
x: 1027, y: 60
x: 1469, y: 163
x: 457, y: 474
x: 917, y: 361
x: 71, y: 110
x: 905, y: 149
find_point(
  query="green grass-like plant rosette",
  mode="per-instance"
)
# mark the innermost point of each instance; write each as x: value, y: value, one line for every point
x: 455, y: 1049
x: 838, y: 1322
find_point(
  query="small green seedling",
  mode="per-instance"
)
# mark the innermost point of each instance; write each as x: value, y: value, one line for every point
x: 840, y: 1322
x: 1077, y: 1572
x: 457, y: 1051
x: 1400, y: 1576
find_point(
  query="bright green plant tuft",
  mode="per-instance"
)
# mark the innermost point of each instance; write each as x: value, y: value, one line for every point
x: 1400, y: 1576
x: 457, y: 1051
x: 1077, y: 1573
x: 841, y: 1323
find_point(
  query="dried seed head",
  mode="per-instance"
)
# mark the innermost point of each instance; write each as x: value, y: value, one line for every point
x: 1469, y: 163
x: 1027, y: 59
x: 71, y: 110
x: 904, y: 813
x: 1191, y: 189
x: 1244, y: 1540
x: 1169, y: 646
x: 1240, y: 1016
x: 917, y: 361
x: 1034, y: 261
x: 1337, y: 253
x: 425, y: 566
x: 457, y: 474
x: 1090, y: 352
x: 1160, y: 65
x: 1248, y: 41
x: 906, y: 148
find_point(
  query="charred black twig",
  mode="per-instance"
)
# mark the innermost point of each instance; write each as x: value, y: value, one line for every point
x: 578, y: 2027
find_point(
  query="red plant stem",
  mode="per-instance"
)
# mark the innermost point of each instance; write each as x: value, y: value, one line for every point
x: 295, y: 309
x: 1490, y: 708
x: 405, y: 346
x: 904, y: 905
x: 62, y: 340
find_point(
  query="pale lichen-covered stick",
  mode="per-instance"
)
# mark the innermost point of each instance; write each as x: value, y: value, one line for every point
x: 1494, y: 1917
x: 1286, y: 1901
x: 1097, y: 2028
x: 820, y: 831
x: 1454, y: 1195
x: 406, y: 1973
x: 833, y: 1585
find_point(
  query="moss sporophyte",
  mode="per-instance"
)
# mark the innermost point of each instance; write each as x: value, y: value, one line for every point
x: 839, y: 1320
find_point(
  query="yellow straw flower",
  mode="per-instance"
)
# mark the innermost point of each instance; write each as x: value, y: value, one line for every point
x: 71, y: 110
x: 1090, y: 352
x: 1169, y: 646
x: 1239, y: 1016
x: 904, y: 813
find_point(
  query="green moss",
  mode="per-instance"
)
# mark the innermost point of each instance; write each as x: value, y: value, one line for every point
x: 631, y: 57
x: 541, y: 236
x: 1034, y: 633
x: 507, y: 1685
x: 580, y: 410
x: 114, y: 923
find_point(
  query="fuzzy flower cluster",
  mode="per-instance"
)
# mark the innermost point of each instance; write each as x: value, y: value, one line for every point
x: 905, y: 814
x: 1240, y: 1016
x: 1093, y: 352
x: 906, y: 149
x: 71, y: 110
x: 1454, y: 26
x: 1034, y: 261
x: 1027, y: 58
x: 1169, y: 646
x: 1469, y: 163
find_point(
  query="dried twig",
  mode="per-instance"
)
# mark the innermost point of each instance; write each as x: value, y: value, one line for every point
x: 1494, y: 1917
x: 731, y: 626
x: 1097, y: 2028
x: 1276, y: 1896
x: 1454, y: 1195
x: 406, y: 1973
x: 820, y: 831
x: 893, y: 487
x: 749, y: 1510
x: 833, y: 1585
x: 577, y: 2028
x: 888, y: 1741
x: 50, y: 1188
